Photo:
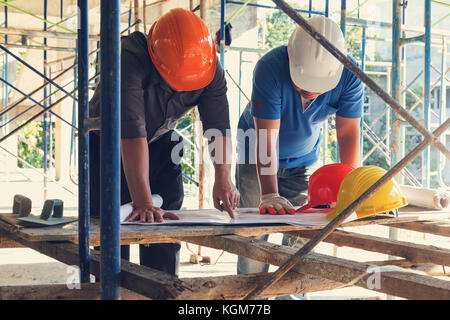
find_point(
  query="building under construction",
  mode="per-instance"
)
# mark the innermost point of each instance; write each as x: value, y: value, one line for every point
x: 59, y: 58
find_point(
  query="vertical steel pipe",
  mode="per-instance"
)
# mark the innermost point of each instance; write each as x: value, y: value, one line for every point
x: 110, y: 149
x: 343, y: 15
x: 395, y: 137
x: 363, y: 68
x: 5, y: 71
x: 222, y: 32
x: 427, y: 93
x: 240, y: 81
x: 83, y: 140
x: 45, y: 120
x: 442, y: 105
x: 327, y: 8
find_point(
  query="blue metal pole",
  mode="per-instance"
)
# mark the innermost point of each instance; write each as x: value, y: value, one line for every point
x: 222, y: 32
x: 395, y: 137
x: 427, y: 92
x: 327, y: 8
x: 343, y: 15
x: 343, y: 28
x: 363, y: 68
x: 83, y: 141
x: 45, y: 129
x: 129, y: 20
x: 310, y: 8
x: 6, y: 21
x: 5, y: 70
x: 110, y: 149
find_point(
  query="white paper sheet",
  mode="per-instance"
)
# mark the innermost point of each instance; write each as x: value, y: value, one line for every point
x: 242, y: 216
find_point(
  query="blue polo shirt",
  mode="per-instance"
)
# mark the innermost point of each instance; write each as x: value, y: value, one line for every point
x: 274, y: 97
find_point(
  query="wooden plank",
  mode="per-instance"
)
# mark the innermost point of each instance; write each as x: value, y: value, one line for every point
x: 151, y: 283
x: 6, y: 242
x: 401, y: 284
x: 236, y: 287
x: 440, y: 228
x: 86, y: 291
x: 140, y: 234
x: 160, y: 285
x: 429, y: 269
x: 417, y: 253
x: 11, y: 219
x: 134, y: 234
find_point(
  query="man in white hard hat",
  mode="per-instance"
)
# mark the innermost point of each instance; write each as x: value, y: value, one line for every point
x: 295, y: 88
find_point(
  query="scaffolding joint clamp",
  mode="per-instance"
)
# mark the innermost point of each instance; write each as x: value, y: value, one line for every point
x: 91, y: 124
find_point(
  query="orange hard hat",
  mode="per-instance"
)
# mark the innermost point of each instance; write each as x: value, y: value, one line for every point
x: 182, y: 50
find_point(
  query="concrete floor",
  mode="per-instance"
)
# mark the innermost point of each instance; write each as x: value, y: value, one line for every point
x: 23, y: 266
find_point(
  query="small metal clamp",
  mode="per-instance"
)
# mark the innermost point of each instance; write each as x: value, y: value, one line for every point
x: 53, y: 208
x: 21, y: 205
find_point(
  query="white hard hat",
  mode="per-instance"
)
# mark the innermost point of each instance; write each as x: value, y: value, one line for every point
x: 311, y: 66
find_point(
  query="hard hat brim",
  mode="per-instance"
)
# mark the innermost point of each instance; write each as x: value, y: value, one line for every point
x: 315, y: 84
x: 313, y: 210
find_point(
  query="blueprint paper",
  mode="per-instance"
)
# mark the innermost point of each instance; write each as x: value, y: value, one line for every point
x: 242, y: 216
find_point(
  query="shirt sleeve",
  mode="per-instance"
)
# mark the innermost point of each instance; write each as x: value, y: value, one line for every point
x: 266, y: 92
x: 213, y: 104
x: 132, y: 97
x: 351, y: 99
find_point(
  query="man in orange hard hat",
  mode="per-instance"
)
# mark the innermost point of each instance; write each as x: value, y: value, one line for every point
x: 163, y: 76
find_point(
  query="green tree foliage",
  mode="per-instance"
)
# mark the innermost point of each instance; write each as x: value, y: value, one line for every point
x: 31, y: 145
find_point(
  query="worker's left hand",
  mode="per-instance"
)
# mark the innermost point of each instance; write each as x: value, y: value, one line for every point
x: 225, y: 195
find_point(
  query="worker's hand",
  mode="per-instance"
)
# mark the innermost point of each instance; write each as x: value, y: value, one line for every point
x: 149, y: 213
x: 273, y: 203
x: 226, y: 196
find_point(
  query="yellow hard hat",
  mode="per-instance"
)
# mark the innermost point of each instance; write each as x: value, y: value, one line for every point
x: 387, y: 198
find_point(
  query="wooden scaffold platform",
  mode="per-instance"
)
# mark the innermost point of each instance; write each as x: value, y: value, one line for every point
x: 316, y: 272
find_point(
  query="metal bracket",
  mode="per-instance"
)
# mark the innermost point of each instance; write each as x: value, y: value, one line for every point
x: 21, y: 205
x: 52, y: 209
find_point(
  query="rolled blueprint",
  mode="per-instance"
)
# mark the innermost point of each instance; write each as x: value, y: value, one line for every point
x: 426, y: 198
x: 126, y: 209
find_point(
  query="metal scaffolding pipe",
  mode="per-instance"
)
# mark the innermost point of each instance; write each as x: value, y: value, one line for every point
x: 29, y: 97
x: 110, y: 149
x: 83, y: 142
x: 43, y: 33
x: 395, y: 123
x: 427, y: 93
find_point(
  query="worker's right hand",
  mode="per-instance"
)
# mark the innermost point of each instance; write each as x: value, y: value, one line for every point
x: 273, y: 203
x: 149, y: 213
